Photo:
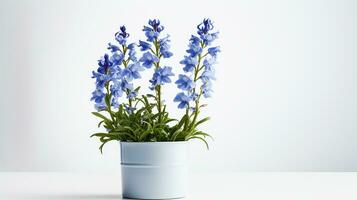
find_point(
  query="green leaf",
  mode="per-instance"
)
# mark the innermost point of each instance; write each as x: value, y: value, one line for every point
x: 101, y: 116
x: 202, y: 139
x: 102, y: 145
x: 137, y: 89
x: 100, y: 123
x: 99, y: 134
x: 202, y: 121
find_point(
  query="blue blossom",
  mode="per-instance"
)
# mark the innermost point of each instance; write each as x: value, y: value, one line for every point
x: 153, y: 31
x: 203, y: 31
x: 185, y: 83
x: 189, y: 62
x: 125, y: 85
x: 194, y: 49
x: 113, y: 48
x: 148, y: 59
x: 104, y: 64
x: 209, y: 62
x: 98, y: 97
x: 155, y: 24
x: 150, y: 34
x: 213, y: 51
x: 207, y: 75
x: 132, y: 94
x: 183, y: 100
x: 114, y: 102
x: 144, y: 45
x: 117, y: 58
x: 115, y: 72
x: 101, y: 79
x: 207, y: 89
x: 165, y: 47
x: 132, y: 71
x: 161, y: 76
x: 122, y: 35
x: 195, y: 40
x: 204, y: 27
x: 132, y: 52
x: 100, y: 106
x: 209, y: 38
x: 116, y: 89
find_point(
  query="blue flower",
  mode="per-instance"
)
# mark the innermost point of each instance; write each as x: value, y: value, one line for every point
x: 132, y: 94
x: 144, y: 45
x: 113, y: 48
x: 122, y: 35
x: 207, y: 75
x: 204, y: 27
x: 195, y: 40
x: 148, y: 59
x: 100, y: 106
x: 150, y: 34
x: 116, y: 89
x: 155, y: 24
x: 132, y: 71
x: 132, y: 52
x: 161, y: 76
x: 189, y: 62
x: 209, y: 38
x: 101, y: 79
x: 117, y: 58
x: 125, y: 85
x: 98, y: 97
x: 153, y: 31
x: 185, y: 83
x: 165, y: 47
x: 207, y: 89
x: 114, y: 102
x: 209, y: 62
x: 194, y: 49
x: 104, y: 64
x: 213, y: 51
x: 183, y: 99
x: 203, y: 31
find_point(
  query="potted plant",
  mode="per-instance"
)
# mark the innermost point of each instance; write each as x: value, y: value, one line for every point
x: 153, y: 145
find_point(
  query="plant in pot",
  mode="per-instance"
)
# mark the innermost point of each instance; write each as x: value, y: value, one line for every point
x: 153, y: 145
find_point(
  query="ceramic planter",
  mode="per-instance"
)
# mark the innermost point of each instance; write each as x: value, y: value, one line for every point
x: 154, y: 170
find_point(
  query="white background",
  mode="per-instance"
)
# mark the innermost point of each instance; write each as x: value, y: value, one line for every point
x: 284, y: 99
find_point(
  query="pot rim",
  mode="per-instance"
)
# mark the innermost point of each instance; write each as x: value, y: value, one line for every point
x: 164, y: 142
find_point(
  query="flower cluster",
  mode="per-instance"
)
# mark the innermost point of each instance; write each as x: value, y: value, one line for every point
x: 116, y: 72
x: 128, y: 116
x: 154, y: 48
x: 196, y: 70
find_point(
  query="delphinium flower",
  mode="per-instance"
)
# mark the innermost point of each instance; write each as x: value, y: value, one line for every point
x: 198, y: 68
x: 115, y: 74
x: 154, y: 49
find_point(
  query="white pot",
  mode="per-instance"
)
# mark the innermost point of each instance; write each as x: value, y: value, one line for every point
x: 154, y: 170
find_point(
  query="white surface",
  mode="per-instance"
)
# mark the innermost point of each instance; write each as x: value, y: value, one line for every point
x: 285, y: 98
x: 218, y: 186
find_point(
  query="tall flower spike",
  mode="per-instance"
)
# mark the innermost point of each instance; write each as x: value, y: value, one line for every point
x: 198, y: 52
x: 116, y: 71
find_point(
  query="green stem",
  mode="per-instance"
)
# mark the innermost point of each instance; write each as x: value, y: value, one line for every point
x: 158, y: 88
x: 109, y: 106
x: 197, y: 101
